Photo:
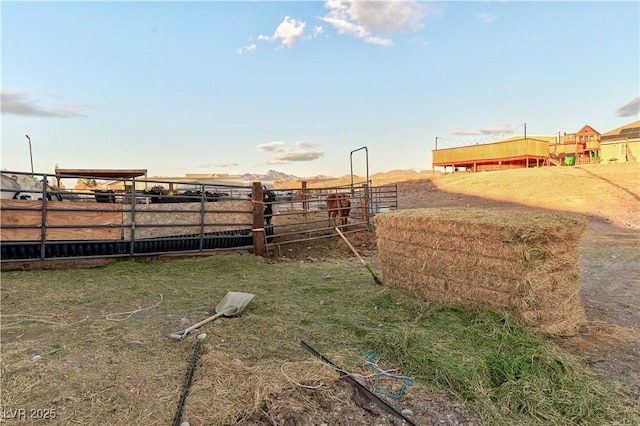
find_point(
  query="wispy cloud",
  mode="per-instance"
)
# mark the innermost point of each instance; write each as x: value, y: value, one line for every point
x: 487, y: 18
x: 373, y: 21
x: 220, y: 165
x: 490, y: 130
x: 629, y: 109
x: 281, y: 153
x: 246, y: 49
x: 287, y: 33
x: 271, y: 146
x: 22, y: 103
x: 304, y: 145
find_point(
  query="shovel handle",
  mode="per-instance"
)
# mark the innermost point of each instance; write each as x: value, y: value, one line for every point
x: 375, y: 277
x: 182, y: 333
x: 350, y: 246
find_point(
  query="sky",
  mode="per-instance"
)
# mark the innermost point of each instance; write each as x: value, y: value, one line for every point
x: 302, y: 87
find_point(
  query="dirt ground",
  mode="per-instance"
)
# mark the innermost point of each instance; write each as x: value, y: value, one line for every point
x: 608, y: 195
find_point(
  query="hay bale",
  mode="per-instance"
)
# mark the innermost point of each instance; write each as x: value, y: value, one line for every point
x: 174, y: 219
x: 526, y: 262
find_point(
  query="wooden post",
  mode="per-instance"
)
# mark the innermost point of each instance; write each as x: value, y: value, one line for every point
x: 259, y: 240
x: 305, y: 203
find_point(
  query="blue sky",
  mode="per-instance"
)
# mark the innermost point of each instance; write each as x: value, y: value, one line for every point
x: 244, y: 87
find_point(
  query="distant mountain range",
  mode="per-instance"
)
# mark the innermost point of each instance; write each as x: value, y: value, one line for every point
x: 275, y: 176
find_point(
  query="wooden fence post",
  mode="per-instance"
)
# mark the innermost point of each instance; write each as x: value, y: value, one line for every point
x: 305, y: 204
x: 259, y: 240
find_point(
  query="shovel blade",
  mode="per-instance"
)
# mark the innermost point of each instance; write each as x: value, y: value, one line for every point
x: 234, y: 303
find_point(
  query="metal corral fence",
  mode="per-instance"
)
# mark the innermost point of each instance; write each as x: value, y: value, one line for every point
x: 300, y: 213
x: 126, y: 217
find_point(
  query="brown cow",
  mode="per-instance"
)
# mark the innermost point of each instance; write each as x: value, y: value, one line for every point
x: 338, y: 205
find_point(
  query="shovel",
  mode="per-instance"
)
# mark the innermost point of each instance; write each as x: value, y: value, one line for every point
x: 234, y: 303
x: 375, y: 277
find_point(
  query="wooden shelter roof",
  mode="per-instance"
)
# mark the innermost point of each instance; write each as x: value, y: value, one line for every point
x: 101, y: 173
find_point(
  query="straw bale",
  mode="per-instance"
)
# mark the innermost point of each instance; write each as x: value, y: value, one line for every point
x: 81, y: 221
x: 519, y: 260
x: 479, y: 240
x: 429, y: 260
x: 187, y: 218
x: 475, y: 223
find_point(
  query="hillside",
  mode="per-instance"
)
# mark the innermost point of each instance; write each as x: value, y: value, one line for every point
x: 377, y: 179
x: 610, y: 191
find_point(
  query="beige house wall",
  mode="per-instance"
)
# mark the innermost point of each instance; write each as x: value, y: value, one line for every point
x: 616, y: 151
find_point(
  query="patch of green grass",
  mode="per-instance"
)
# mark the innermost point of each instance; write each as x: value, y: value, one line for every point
x: 508, y: 374
x: 486, y: 358
x: 383, y: 302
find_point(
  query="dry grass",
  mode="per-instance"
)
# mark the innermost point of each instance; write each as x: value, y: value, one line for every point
x: 90, y: 372
x: 83, y: 325
x: 231, y: 391
x: 610, y: 191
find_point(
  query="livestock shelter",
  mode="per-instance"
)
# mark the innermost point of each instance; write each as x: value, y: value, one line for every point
x: 99, y: 174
